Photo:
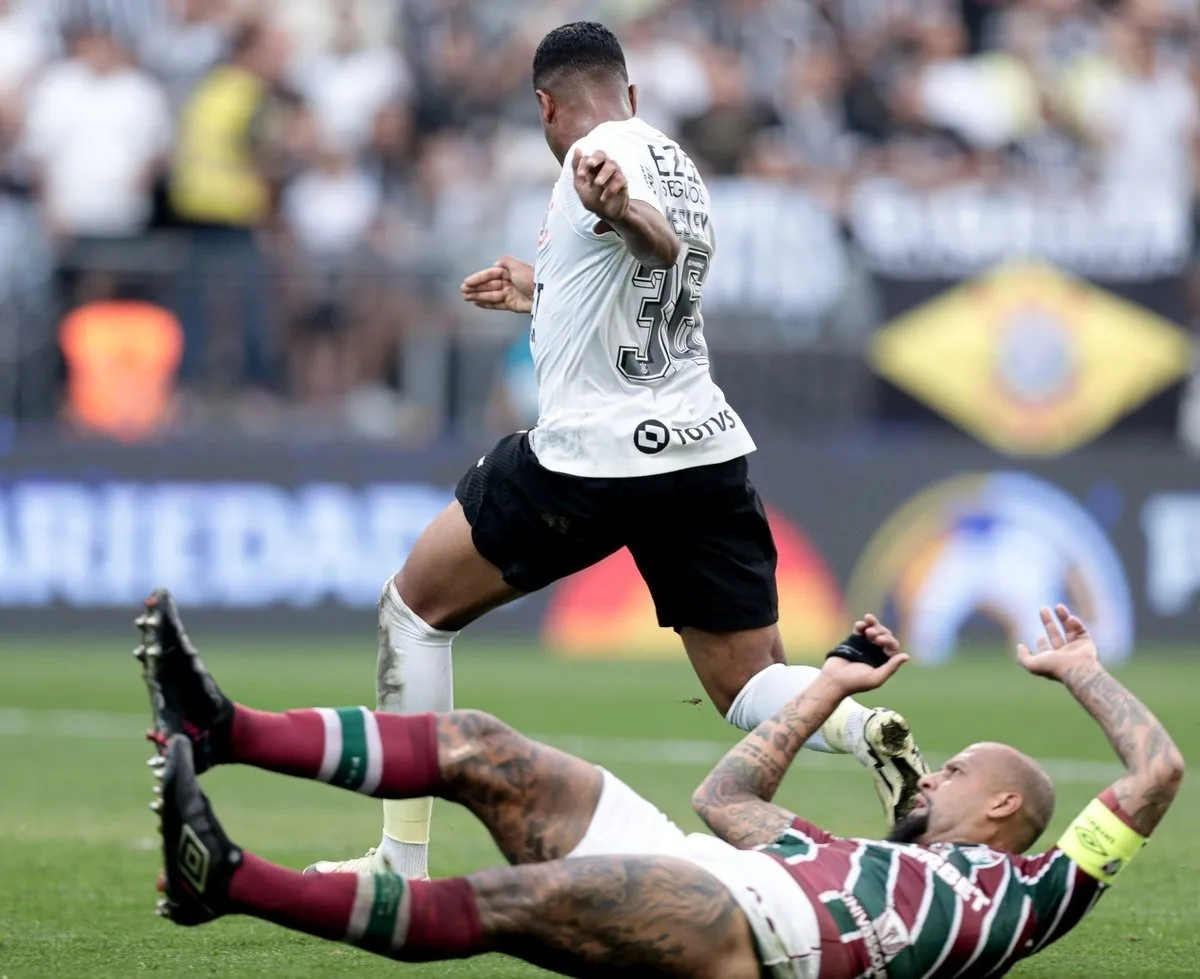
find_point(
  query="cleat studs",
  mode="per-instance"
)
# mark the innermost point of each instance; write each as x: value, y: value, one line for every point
x: 157, y: 789
x: 153, y: 650
x: 156, y: 805
x: 158, y: 761
x: 139, y: 653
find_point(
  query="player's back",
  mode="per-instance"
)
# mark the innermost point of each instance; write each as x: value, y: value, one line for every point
x: 908, y: 911
x: 622, y: 363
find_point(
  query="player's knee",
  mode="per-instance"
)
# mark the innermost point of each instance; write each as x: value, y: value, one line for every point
x: 482, y: 730
x: 745, y: 708
x: 421, y: 602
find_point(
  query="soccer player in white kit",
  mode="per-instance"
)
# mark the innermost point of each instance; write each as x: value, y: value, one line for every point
x: 635, y: 446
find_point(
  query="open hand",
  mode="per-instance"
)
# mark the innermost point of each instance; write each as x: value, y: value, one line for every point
x: 859, y: 677
x: 507, y: 285
x: 601, y: 185
x: 1060, y: 648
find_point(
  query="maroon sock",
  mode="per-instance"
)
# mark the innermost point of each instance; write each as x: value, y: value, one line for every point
x: 438, y: 920
x: 400, y: 763
x: 319, y: 904
x: 444, y: 922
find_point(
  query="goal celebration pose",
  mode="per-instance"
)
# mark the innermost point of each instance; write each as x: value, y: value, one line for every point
x: 604, y: 883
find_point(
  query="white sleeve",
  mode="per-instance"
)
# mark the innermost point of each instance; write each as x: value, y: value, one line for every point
x: 633, y: 155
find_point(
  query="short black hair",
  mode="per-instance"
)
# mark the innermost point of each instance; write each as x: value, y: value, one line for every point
x: 582, y: 47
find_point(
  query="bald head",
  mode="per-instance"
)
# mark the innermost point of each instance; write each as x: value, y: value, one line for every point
x: 1010, y: 770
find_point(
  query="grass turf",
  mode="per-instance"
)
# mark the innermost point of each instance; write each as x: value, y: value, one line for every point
x: 77, y: 845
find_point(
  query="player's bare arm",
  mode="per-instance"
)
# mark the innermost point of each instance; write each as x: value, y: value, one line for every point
x: 507, y: 286
x: 1068, y: 654
x: 603, y: 190
x: 735, y: 799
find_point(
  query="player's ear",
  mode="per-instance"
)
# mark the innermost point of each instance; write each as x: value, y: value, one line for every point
x: 1005, y: 804
x: 633, y: 99
x: 546, y: 106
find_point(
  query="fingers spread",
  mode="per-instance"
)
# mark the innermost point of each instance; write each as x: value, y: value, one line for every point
x: 1052, y: 632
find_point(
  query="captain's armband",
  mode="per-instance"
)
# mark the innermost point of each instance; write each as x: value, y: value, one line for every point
x: 1100, y: 842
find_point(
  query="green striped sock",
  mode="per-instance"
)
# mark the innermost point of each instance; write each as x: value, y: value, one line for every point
x: 379, y: 920
x: 353, y: 757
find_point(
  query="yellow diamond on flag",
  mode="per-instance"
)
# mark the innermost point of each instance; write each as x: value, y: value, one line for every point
x: 1029, y: 360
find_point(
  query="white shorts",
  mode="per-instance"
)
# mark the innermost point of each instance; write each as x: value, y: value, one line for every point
x: 780, y: 914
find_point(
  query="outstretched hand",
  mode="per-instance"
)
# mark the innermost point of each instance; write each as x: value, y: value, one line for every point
x: 859, y: 677
x: 1060, y: 648
x: 507, y: 285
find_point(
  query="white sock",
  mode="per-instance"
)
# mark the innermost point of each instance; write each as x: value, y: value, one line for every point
x: 765, y: 694
x: 415, y: 675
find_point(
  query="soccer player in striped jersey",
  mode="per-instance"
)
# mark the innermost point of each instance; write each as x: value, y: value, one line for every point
x: 950, y: 892
x: 604, y: 882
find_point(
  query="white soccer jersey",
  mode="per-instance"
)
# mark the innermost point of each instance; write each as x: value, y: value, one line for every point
x: 622, y: 366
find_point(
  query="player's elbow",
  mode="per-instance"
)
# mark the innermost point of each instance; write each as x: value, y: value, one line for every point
x: 1170, y: 769
x: 705, y: 803
x: 662, y: 254
x: 670, y: 251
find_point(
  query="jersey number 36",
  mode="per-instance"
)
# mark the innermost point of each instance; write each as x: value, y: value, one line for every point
x: 670, y: 317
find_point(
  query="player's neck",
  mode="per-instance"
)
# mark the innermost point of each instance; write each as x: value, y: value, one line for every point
x: 589, y: 115
x: 974, y: 837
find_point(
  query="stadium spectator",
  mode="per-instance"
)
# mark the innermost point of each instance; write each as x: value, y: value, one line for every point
x: 96, y: 135
x: 351, y: 81
x: 221, y: 188
x: 1137, y: 105
x: 427, y: 100
x: 333, y: 213
x: 185, y: 45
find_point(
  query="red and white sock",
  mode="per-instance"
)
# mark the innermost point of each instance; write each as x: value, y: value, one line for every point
x: 390, y: 756
x: 383, y: 913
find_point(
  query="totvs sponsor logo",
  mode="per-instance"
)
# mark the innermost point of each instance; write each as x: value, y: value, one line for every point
x: 652, y: 436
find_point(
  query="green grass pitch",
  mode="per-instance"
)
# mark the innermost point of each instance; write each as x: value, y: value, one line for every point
x: 77, y: 843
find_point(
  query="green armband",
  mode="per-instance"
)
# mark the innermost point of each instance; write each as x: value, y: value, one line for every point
x: 1100, y: 842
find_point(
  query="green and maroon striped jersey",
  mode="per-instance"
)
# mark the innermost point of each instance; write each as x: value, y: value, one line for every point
x: 908, y: 911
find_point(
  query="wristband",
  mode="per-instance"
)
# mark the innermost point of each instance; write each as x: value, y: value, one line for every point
x: 859, y: 649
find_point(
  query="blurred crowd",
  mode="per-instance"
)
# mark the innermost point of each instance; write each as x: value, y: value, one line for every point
x: 303, y: 183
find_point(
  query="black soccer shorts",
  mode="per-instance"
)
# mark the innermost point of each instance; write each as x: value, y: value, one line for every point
x: 699, y: 536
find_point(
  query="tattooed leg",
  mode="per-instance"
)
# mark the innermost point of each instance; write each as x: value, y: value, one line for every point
x: 536, y: 801
x: 593, y: 917
x: 645, y: 916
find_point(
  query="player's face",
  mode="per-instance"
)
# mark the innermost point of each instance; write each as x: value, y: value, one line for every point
x: 952, y: 798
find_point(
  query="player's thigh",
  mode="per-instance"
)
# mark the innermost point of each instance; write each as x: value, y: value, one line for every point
x: 537, y: 802
x: 532, y: 525
x: 712, y: 576
x: 445, y: 580
x: 623, y: 822
x: 644, y: 916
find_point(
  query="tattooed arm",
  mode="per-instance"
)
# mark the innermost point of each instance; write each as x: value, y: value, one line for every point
x: 1154, y: 764
x: 735, y: 799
